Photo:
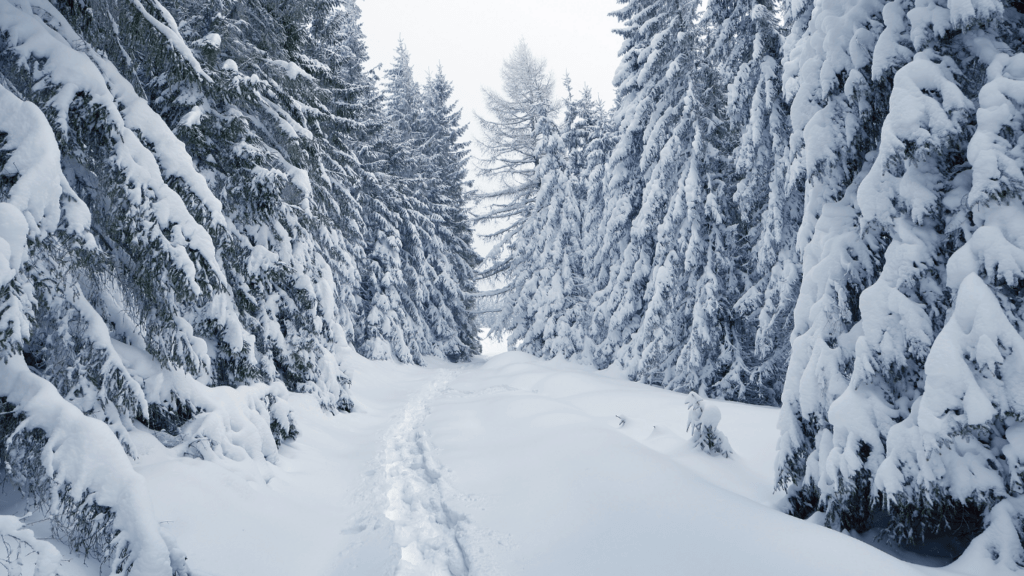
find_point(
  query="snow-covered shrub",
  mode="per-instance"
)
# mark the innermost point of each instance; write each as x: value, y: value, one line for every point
x: 74, y: 469
x: 703, y: 425
x: 21, y: 554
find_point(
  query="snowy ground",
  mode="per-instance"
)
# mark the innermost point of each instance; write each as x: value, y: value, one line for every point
x: 507, y: 466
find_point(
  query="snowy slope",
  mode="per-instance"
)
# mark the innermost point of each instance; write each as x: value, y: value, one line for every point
x: 506, y: 466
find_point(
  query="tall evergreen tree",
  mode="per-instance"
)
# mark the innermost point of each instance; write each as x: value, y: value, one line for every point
x: 510, y: 160
x: 420, y: 273
x: 594, y: 177
x: 544, y: 310
x: 835, y: 109
x: 449, y: 192
x: 582, y: 125
x: 287, y: 194
x: 952, y: 460
x: 391, y: 327
x: 659, y: 50
x: 747, y: 48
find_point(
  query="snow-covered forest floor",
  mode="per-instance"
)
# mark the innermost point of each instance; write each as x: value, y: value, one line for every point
x: 507, y: 465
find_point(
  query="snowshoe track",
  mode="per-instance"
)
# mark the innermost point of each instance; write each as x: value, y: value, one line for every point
x: 426, y: 530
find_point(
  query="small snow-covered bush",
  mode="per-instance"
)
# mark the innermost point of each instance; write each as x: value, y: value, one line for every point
x: 703, y: 424
x: 21, y: 554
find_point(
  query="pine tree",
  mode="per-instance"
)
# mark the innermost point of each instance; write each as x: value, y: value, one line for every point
x: 593, y: 179
x: 389, y: 327
x: 289, y: 245
x: 393, y: 279
x: 952, y: 464
x: 835, y: 110
x: 221, y: 248
x: 545, y: 307
x: 449, y: 190
x: 710, y: 356
x: 403, y: 103
x: 917, y: 164
x: 747, y: 49
x: 141, y: 269
x: 645, y: 167
x: 581, y: 126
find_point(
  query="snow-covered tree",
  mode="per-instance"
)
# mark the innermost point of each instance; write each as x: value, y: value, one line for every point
x: 836, y: 106
x: 105, y: 229
x: 509, y: 145
x: 665, y: 293
x: 594, y: 213
x: 583, y: 123
x: 176, y: 214
x: 747, y: 48
x: 544, y: 310
x: 390, y: 327
x: 418, y: 276
x: 903, y: 400
x: 259, y: 130
x: 449, y: 192
x: 658, y: 53
x: 953, y: 462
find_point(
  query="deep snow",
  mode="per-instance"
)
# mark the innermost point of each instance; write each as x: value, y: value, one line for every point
x: 509, y: 465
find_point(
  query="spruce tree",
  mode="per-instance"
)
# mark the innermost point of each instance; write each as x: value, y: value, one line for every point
x: 106, y: 230
x: 545, y: 307
x: 659, y: 51
x: 835, y: 110
x: 288, y: 247
x: 449, y: 192
x: 594, y: 176
x: 747, y: 49
x: 390, y: 326
x: 952, y: 464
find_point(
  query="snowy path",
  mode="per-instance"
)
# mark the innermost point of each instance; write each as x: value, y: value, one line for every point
x: 426, y: 529
x: 508, y: 467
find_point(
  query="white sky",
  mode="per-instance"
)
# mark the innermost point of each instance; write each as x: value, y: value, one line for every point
x: 471, y: 38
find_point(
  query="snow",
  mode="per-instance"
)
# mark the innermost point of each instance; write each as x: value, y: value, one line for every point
x: 291, y: 69
x: 508, y: 465
x: 13, y: 238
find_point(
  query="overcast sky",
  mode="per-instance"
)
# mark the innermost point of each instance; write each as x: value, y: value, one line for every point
x: 471, y: 38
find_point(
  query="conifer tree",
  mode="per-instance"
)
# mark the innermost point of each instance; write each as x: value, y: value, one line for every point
x: 391, y: 327
x: 419, y: 274
x: 545, y: 307
x: 580, y: 127
x: 510, y: 161
x: 952, y: 464
x: 107, y: 230
x: 593, y: 179
x: 835, y: 110
x: 290, y: 243
x: 645, y: 168
x: 747, y: 50
x: 449, y: 192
